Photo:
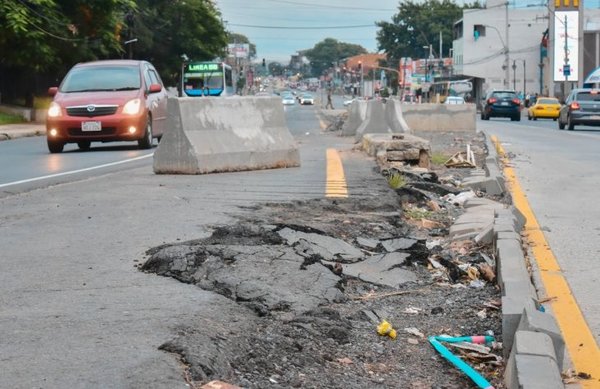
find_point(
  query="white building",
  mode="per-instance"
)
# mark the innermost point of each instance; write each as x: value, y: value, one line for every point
x: 501, y: 47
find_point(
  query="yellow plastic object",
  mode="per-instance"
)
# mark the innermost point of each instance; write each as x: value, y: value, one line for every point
x: 385, y: 328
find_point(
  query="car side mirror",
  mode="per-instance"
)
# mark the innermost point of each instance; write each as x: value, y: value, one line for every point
x: 52, y: 91
x: 154, y: 88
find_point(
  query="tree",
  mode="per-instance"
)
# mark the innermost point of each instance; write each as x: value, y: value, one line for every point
x: 45, y: 34
x: 275, y: 68
x: 166, y: 30
x: 329, y: 52
x: 418, y: 24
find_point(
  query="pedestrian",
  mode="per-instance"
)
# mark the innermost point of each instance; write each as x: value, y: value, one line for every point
x: 329, y: 102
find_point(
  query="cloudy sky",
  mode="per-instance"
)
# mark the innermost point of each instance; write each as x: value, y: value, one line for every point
x: 280, y: 28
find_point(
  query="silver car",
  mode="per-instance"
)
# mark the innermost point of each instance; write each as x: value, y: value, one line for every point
x: 582, y: 107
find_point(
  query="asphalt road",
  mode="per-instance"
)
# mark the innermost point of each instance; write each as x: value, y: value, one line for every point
x: 74, y: 310
x: 558, y: 170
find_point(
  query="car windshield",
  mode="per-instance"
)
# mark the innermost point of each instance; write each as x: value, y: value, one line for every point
x: 101, y: 78
x: 588, y: 96
x: 547, y: 101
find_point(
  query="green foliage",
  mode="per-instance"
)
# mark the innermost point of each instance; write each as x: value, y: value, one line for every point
x: 328, y: 52
x: 418, y: 24
x: 439, y: 159
x: 49, y: 36
x: 166, y: 30
x: 6, y: 118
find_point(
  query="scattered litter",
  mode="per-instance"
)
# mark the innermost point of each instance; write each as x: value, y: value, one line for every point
x: 412, y: 310
x: 414, y: 331
x: 570, y: 376
x: 477, y: 284
x: 345, y: 361
x: 482, y: 314
x: 486, y: 271
x: 462, y: 159
x: 477, y: 378
x: 218, y: 385
x: 460, y: 198
x: 547, y: 299
x: 494, y: 304
x: 433, y: 243
x: 386, y: 329
x: 412, y: 341
x: 372, y: 295
x: 435, y: 263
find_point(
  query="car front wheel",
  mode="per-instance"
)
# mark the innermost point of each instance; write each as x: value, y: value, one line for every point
x: 55, y: 147
x: 146, y: 141
x: 561, y: 125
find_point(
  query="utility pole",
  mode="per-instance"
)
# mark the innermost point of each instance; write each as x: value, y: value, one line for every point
x: 566, y: 67
x: 506, y: 56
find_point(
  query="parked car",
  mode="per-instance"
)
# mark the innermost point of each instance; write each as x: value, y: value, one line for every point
x: 544, y: 107
x: 307, y: 99
x: 106, y: 101
x: 454, y: 100
x: 582, y: 106
x: 501, y: 103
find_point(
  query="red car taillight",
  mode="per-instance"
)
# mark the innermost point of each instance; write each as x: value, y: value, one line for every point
x: 574, y: 106
x: 516, y: 101
x: 492, y: 100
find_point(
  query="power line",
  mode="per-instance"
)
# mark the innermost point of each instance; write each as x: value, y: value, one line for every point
x: 304, y: 28
x: 344, y: 7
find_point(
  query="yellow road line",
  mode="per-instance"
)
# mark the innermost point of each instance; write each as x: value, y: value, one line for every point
x: 336, y: 181
x: 580, y: 342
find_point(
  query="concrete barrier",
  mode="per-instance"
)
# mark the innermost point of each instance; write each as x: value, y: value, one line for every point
x: 374, y: 122
x: 394, y: 117
x: 440, y: 117
x: 206, y: 135
x: 356, y: 115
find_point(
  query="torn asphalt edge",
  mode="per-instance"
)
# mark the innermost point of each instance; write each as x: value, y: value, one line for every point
x: 532, y: 342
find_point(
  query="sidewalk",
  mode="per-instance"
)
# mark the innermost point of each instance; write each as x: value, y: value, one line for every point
x: 20, y: 130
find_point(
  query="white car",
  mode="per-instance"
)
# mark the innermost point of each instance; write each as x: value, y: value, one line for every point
x: 307, y: 99
x: 454, y: 100
x: 288, y: 100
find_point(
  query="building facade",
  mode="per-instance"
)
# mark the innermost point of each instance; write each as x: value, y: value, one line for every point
x: 509, y: 45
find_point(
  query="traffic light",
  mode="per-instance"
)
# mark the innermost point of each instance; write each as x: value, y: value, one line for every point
x: 264, y: 63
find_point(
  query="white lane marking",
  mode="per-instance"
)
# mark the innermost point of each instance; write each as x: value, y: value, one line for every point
x: 87, y: 169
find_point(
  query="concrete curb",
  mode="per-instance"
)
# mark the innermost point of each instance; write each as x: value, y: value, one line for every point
x: 532, y: 340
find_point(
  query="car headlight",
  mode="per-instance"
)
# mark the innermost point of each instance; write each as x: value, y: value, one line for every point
x: 54, y: 110
x: 132, y: 107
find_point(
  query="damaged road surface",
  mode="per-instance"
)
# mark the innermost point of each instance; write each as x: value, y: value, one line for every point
x: 311, y: 294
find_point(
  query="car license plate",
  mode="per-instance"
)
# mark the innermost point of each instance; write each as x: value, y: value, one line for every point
x: 91, y: 126
x: 594, y: 117
x: 504, y: 103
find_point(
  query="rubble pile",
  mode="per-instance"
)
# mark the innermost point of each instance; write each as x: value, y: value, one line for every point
x: 324, y: 284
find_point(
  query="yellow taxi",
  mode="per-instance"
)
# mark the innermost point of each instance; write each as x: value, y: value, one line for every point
x: 544, y: 107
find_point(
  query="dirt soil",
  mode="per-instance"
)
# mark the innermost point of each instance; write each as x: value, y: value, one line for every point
x: 302, y: 321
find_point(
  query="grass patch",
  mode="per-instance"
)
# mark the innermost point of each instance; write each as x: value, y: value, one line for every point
x: 6, y: 118
x: 439, y: 158
x: 418, y: 213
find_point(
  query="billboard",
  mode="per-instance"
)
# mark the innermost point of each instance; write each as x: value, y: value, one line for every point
x: 566, y: 45
x: 239, y: 50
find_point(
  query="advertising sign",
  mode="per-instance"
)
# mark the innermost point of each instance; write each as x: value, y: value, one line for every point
x: 239, y: 50
x: 566, y: 45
